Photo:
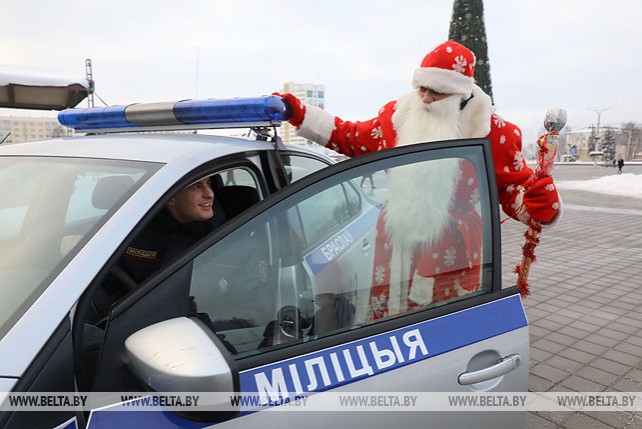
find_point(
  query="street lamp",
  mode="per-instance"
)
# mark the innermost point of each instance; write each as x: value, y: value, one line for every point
x: 599, y: 115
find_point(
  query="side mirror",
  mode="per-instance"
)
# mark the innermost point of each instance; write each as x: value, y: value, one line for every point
x: 183, y: 355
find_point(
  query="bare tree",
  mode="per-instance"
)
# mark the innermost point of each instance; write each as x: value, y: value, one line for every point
x: 633, y: 140
x: 60, y: 131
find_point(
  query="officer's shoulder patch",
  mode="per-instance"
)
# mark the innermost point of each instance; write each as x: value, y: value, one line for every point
x: 140, y: 253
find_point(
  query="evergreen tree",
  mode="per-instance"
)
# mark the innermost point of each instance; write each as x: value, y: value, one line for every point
x: 608, y: 146
x: 467, y: 27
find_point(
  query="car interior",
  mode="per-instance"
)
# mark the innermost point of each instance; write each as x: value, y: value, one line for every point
x: 230, y: 200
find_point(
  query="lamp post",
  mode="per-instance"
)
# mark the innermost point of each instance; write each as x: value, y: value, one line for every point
x: 90, y: 79
x: 599, y: 115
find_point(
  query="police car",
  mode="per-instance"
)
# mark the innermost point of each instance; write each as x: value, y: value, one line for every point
x: 276, y: 301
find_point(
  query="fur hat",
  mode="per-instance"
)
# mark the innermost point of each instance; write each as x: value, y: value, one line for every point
x: 449, y: 69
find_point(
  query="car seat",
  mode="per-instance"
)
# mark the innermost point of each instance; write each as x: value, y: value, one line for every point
x: 236, y: 199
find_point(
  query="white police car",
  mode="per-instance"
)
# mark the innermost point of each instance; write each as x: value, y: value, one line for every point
x: 277, y: 301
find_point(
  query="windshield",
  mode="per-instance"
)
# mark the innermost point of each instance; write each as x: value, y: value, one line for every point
x: 49, y: 208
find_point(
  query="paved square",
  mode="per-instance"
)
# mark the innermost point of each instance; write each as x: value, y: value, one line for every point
x: 585, y: 307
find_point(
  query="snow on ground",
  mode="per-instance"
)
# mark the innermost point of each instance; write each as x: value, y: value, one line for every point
x: 627, y: 185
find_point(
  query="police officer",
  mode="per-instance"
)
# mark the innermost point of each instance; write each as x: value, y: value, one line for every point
x: 189, y: 216
x: 185, y: 219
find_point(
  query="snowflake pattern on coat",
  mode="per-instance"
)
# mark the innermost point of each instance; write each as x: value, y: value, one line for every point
x: 450, y: 256
x: 377, y: 133
x: 518, y: 161
x: 379, y: 274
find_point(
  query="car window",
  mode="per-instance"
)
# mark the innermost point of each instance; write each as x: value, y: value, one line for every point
x: 298, y: 166
x: 427, y: 243
x: 49, y: 206
x: 81, y: 207
x: 235, y: 190
x: 237, y: 177
x: 327, y: 211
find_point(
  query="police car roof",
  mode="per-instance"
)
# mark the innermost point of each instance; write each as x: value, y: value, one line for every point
x: 163, y: 148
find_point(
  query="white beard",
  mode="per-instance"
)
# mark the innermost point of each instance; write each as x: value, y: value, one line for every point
x: 420, y: 194
x: 419, y: 201
x: 417, y: 122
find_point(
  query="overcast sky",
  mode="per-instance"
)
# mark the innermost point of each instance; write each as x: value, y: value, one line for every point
x: 578, y: 55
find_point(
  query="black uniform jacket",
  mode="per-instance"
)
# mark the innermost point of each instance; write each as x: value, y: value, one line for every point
x: 162, y: 241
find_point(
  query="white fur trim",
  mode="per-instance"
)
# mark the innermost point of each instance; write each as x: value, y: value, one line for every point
x: 317, y: 125
x: 474, y: 120
x: 520, y: 209
x: 444, y: 81
x: 421, y: 290
x: 400, y: 262
x: 523, y: 216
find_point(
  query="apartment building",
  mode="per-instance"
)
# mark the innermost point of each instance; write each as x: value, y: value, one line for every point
x: 312, y: 95
x: 24, y: 129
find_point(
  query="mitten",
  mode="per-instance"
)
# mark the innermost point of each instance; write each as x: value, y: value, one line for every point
x: 296, y: 107
x: 541, y: 201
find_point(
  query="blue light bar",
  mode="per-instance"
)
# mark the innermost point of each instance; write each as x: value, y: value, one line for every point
x: 97, y: 117
x: 214, y: 113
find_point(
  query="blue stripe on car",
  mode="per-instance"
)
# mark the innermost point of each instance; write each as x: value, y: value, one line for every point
x: 347, y: 363
x: 340, y: 242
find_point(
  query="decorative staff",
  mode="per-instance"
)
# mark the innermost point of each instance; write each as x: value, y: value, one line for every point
x: 554, y: 122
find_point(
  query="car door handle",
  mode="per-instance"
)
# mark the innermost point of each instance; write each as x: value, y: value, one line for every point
x: 504, y: 366
x: 365, y: 246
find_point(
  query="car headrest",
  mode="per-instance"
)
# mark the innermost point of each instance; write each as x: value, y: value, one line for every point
x: 110, y: 189
x: 236, y: 199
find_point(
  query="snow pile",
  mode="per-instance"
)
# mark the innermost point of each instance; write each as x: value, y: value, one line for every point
x: 626, y: 185
x: 34, y: 77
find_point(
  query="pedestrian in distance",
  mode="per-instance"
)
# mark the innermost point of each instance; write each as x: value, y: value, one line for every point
x: 620, y: 164
x: 229, y: 178
x: 368, y: 176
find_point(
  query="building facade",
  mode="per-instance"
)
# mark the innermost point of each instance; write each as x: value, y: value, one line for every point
x: 24, y: 129
x: 628, y: 144
x: 311, y: 94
